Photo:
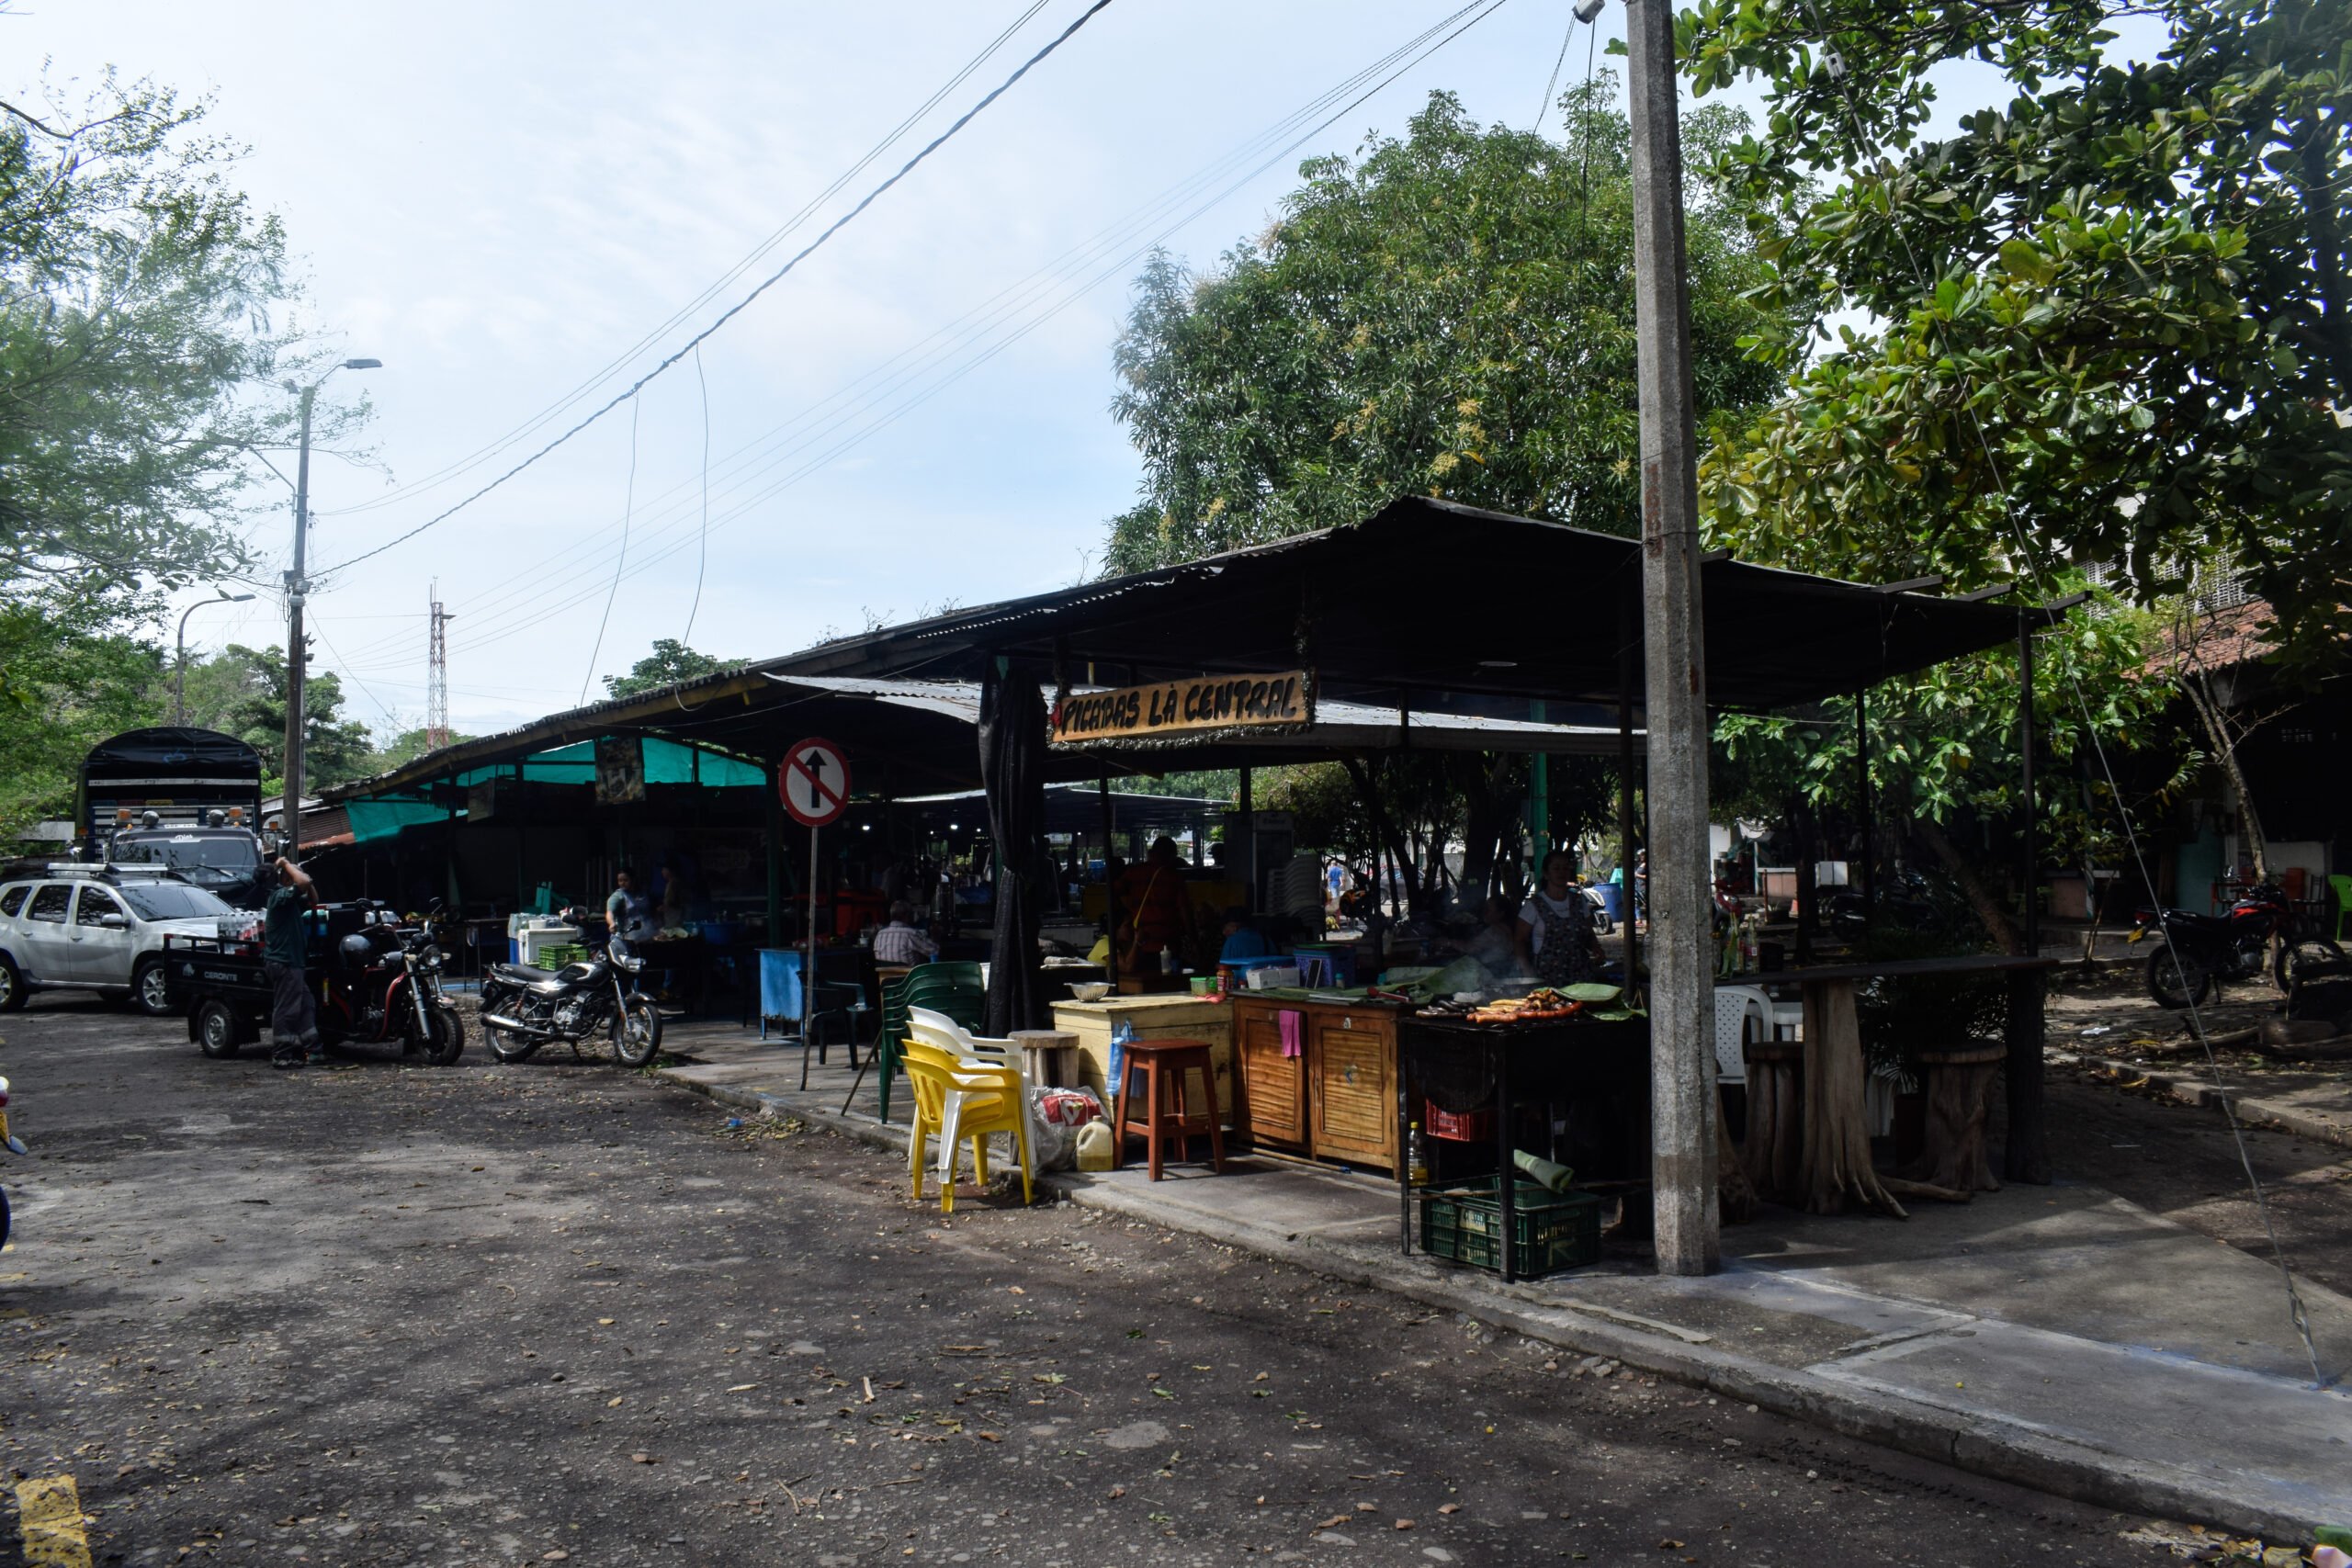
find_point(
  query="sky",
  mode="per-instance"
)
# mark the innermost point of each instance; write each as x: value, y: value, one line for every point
x: 511, y: 204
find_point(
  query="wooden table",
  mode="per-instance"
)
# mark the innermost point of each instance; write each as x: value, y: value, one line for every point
x: 1836, y: 1164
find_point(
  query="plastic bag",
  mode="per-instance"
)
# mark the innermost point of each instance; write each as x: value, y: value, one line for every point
x: 1055, y: 1115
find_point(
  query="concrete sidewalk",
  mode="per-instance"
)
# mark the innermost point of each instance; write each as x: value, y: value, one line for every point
x: 2060, y: 1338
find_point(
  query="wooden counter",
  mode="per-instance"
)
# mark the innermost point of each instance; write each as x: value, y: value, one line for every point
x: 1184, y: 1017
x: 1336, y: 1098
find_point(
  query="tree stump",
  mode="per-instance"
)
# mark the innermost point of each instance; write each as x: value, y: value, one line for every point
x: 1774, y: 1154
x: 1960, y: 1103
x: 1836, y: 1131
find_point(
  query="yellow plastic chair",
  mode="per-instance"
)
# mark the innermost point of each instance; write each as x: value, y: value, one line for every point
x: 988, y: 1101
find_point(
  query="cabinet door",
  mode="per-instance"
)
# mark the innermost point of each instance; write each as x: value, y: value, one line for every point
x: 1269, y: 1099
x: 1352, y: 1066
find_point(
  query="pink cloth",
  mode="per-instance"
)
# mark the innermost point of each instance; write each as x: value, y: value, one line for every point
x: 1294, y: 1028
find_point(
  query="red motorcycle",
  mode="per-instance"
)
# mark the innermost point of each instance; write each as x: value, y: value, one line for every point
x: 2202, y: 950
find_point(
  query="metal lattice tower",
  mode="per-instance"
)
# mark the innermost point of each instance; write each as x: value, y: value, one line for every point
x: 436, y: 678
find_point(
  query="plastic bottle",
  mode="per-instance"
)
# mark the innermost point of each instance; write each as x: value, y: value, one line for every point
x: 1416, y: 1157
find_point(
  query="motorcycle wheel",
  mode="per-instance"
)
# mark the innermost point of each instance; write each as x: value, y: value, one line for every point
x: 448, y: 1038
x: 504, y: 1046
x: 2175, y: 981
x: 636, y: 1033
x: 4, y: 1216
x: 216, y: 1031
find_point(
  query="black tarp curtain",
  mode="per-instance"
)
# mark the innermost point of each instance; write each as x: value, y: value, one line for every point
x: 1012, y: 766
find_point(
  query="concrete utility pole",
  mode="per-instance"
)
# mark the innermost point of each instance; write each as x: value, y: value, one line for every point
x: 1683, y: 1077
x: 298, y: 584
x: 297, y: 654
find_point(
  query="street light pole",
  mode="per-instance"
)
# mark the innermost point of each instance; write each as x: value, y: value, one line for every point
x: 297, y: 656
x: 298, y: 584
x: 179, y: 665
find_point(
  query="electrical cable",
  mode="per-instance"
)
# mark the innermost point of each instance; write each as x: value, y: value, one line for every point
x: 701, y: 541
x: 743, y: 304
x: 1543, y: 109
x: 684, y: 312
x: 313, y: 622
x: 1027, y: 294
x: 903, y: 368
x: 629, y: 506
x: 2297, y: 1313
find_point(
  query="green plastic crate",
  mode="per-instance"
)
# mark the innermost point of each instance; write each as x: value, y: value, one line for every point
x: 561, y: 953
x: 1550, y: 1231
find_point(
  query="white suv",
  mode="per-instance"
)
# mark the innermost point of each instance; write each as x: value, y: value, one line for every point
x: 97, y: 934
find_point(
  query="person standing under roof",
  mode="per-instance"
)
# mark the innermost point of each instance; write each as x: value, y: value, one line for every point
x: 1556, y: 940
x: 1152, y: 908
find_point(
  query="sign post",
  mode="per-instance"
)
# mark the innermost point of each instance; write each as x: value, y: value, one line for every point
x: 814, y: 781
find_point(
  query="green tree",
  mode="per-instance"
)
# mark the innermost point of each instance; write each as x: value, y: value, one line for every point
x: 1450, y: 313
x: 671, y: 663
x: 407, y: 747
x: 2109, y: 321
x: 138, y: 292
x: 241, y: 691
x: 64, y: 694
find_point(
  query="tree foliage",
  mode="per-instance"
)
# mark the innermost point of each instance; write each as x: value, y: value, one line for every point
x: 2110, y: 318
x: 241, y: 691
x: 1450, y: 313
x: 138, y: 300
x: 671, y: 663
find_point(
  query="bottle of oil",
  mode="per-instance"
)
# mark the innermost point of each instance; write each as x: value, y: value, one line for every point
x: 1416, y: 1157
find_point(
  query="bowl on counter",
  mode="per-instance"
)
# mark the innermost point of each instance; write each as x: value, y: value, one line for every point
x: 1089, y: 990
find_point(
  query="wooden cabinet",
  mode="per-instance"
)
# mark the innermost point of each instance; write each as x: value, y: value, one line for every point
x: 1269, y: 1089
x: 1336, y: 1099
x: 1152, y: 1018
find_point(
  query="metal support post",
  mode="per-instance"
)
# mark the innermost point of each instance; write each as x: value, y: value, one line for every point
x: 1682, y: 1099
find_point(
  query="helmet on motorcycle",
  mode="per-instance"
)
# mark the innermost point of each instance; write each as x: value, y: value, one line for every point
x: 357, y: 949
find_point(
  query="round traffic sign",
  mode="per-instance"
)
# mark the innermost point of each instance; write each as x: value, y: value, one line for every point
x: 815, y: 782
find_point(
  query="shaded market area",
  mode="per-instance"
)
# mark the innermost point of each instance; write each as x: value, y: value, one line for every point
x: 1003, y: 951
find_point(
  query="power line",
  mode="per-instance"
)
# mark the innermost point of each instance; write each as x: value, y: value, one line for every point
x: 790, y: 226
x: 1029, y: 295
x: 628, y: 505
x: 702, y: 556
x: 887, y: 380
x: 773, y: 279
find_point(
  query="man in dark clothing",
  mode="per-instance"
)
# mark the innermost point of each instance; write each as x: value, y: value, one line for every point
x: 286, y: 947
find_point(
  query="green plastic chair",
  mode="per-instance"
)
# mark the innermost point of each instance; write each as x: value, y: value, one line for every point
x: 952, y: 988
x: 2342, y: 887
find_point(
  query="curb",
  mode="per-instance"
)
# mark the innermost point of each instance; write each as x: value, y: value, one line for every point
x: 1981, y: 1446
x: 2196, y: 1091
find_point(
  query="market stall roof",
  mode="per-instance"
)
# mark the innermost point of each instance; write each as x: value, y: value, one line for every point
x: 1432, y: 597
x: 1077, y: 808
x: 905, y: 738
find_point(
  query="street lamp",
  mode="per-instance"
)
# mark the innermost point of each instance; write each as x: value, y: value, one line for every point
x: 297, y: 585
x: 179, y: 668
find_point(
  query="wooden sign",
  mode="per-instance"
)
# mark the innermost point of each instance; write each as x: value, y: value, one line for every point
x: 1173, y: 709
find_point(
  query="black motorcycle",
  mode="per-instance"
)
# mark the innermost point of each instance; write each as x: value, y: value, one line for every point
x: 2202, y: 950
x: 524, y: 1008
x: 1911, y: 903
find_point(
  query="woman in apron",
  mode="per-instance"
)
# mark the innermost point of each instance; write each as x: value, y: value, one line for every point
x: 1556, y: 940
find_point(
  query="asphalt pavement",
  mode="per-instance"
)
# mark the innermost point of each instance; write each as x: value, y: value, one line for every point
x: 554, y: 1312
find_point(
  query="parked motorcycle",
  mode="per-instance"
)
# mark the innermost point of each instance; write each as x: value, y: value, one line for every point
x: 15, y: 1146
x: 388, y: 986
x: 1911, y: 904
x: 524, y: 1008
x: 2202, y: 951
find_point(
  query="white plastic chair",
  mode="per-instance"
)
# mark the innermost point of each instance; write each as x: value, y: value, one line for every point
x: 938, y: 1029
x: 1734, y: 1005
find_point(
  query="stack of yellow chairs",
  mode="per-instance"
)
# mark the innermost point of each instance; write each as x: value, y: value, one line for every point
x: 990, y: 1102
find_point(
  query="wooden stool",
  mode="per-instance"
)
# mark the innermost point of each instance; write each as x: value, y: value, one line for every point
x: 1774, y: 1153
x: 1959, y: 1101
x: 1163, y: 1064
x: 1049, y: 1057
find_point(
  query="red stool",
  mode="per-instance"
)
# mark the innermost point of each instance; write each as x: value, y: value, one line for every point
x: 1162, y: 1065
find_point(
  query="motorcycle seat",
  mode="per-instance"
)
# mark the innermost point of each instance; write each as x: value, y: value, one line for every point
x: 522, y: 973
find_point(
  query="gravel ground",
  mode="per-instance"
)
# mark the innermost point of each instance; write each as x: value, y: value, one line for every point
x: 557, y: 1313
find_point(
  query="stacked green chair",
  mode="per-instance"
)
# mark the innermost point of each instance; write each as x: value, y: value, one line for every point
x: 952, y: 988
